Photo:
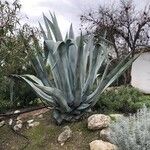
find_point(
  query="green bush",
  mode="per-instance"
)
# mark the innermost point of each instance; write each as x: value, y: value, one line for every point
x: 122, y: 99
x: 14, y: 59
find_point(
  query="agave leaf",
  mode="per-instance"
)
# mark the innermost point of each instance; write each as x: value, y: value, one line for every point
x: 110, y: 78
x: 101, y: 57
x: 66, y: 37
x: 38, y: 91
x: 43, y: 32
x: 55, y: 28
x: 92, y: 73
x: 49, y: 45
x: 78, y: 78
x: 83, y: 106
x: 85, y: 58
x: 71, y: 33
x: 57, y: 116
x: 39, y: 71
x: 72, y: 56
x: 47, y: 28
x: 34, y: 78
x: 60, y: 98
x: 65, y: 70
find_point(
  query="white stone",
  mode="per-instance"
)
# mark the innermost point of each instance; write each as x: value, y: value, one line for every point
x: 17, y: 127
x: 10, y: 121
x: 98, y: 121
x: 30, y: 121
x: 140, y: 73
x: 65, y: 135
x: 40, y: 116
x: 19, y: 122
x: 101, y: 145
x: 2, y: 123
x: 33, y: 124
x: 18, y: 118
x: 16, y: 111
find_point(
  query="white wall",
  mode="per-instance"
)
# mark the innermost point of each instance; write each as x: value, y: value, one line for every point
x: 140, y: 73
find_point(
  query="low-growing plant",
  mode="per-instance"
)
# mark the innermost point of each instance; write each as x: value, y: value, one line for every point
x: 124, y: 99
x: 133, y: 132
x: 74, y: 64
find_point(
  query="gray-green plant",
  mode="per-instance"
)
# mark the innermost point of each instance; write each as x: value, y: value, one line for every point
x: 74, y: 64
x: 133, y: 132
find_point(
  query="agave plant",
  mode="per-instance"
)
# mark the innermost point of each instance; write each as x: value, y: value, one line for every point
x: 74, y: 64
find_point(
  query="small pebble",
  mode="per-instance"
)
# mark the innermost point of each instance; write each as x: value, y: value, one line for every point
x: 30, y: 121
x: 17, y: 127
x: 40, y: 116
x: 10, y: 121
x: 19, y: 122
x: 16, y: 111
x: 34, y: 124
x: 2, y: 123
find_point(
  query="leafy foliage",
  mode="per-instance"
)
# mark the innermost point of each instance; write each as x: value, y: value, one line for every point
x: 132, y: 133
x: 74, y: 65
x: 122, y: 99
x: 13, y: 57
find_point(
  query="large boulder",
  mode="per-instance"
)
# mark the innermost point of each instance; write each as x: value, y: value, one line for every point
x: 101, y: 145
x: 140, y: 74
x: 98, y: 121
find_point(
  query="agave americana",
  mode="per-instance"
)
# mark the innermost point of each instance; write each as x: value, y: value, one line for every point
x: 74, y: 64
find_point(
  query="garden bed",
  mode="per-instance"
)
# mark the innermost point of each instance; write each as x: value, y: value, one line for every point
x: 44, y: 136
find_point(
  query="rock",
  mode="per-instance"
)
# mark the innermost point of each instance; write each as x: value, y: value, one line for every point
x: 33, y: 124
x: 2, y: 123
x: 19, y: 122
x: 116, y: 116
x: 65, y: 135
x: 105, y: 134
x: 16, y: 111
x: 18, y: 118
x: 10, y: 121
x: 30, y: 121
x: 101, y: 145
x: 40, y: 116
x: 98, y: 121
x: 17, y: 127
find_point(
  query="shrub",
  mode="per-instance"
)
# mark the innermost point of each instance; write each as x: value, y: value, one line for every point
x: 13, y: 56
x: 122, y: 99
x: 132, y: 133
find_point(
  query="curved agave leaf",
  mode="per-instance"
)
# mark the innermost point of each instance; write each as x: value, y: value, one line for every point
x: 43, y: 32
x: 65, y: 71
x: 78, y: 71
x: 60, y: 98
x: 38, y: 91
x: 34, y: 78
x: 49, y: 36
x: 54, y: 27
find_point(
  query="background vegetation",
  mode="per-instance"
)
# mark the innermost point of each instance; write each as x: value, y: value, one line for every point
x: 13, y: 57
